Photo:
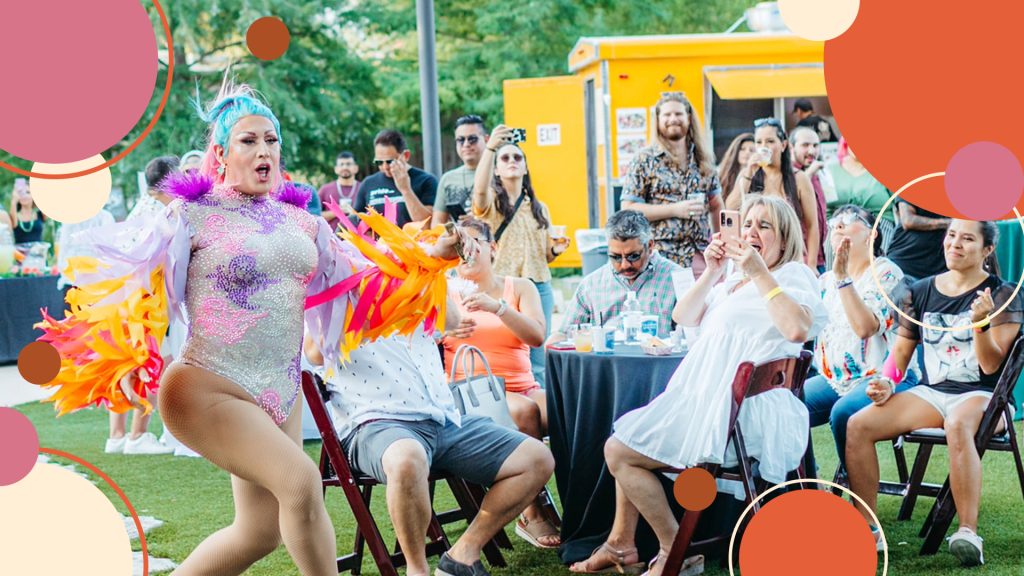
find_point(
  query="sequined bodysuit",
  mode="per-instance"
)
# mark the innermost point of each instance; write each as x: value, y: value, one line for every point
x: 251, y: 263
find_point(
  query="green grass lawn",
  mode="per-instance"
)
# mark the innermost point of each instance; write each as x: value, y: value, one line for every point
x: 193, y: 498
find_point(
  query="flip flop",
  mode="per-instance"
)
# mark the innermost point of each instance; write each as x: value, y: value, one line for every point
x: 619, y: 565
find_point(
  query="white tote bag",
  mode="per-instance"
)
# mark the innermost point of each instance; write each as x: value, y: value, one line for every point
x: 479, y: 395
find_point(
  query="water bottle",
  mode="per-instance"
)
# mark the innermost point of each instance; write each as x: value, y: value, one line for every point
x: 632, y: 317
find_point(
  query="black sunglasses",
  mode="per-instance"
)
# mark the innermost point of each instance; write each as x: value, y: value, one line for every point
x: 767, y: 121
x: 631, y: 257
x: 378, y: 163
x: 470, y: 140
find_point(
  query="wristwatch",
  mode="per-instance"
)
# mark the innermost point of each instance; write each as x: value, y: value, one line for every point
x: 502, y: 307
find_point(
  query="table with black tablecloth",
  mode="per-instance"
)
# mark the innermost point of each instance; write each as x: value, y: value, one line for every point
x: 20, y: 301
x: 586, y: 393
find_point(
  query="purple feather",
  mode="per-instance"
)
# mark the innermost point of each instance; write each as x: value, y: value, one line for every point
x: 190, y: 186
x: 294, y: 193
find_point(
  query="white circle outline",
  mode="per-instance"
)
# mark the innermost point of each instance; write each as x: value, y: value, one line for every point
x: 885, y: 542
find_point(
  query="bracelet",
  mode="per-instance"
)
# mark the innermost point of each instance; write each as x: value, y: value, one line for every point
x: 983, y: 328
x: 772, y: 293
x: 491, y: 149
x: 840, y: 284
x: 502, y: 307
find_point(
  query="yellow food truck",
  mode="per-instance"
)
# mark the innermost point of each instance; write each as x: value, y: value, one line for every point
x: 583, y: 129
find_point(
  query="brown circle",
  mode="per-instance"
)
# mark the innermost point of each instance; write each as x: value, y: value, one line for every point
x: 268, y: 38
x: 695, y: 489
x: 39, y: 362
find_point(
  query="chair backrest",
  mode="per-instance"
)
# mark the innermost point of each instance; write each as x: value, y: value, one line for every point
x: 1002, y: 395
x: 315, y: 392
x: 783, y: 373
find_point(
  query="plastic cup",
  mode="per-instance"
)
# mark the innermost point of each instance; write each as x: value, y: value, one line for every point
x: 583, y: 339
x: 557, y: 231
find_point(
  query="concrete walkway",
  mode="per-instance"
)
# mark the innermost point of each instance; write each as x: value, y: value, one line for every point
x: 15, y: 390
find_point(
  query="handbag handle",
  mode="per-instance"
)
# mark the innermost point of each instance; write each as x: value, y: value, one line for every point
x: 468, y: 354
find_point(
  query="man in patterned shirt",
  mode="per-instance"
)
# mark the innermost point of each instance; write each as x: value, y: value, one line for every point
x: 674, y: 184
x: 633, y: 265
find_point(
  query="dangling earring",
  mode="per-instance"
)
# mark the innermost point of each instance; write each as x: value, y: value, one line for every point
x: 220, y: 169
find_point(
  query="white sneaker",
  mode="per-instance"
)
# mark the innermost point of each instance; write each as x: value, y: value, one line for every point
x: 966, y: 546
x: 115, y: 445
x: 879, y: 542
x: 146, y: 444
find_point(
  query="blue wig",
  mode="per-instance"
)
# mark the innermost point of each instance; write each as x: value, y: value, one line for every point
x: 233, y: 104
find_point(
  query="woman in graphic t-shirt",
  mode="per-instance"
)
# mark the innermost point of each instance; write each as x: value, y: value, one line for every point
x: 961, y: 370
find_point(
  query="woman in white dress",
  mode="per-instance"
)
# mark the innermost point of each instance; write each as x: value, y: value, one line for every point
x: 766, y: 310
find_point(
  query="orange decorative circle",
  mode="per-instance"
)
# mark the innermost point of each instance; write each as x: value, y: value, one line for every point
x: 120, y: 493
x: 929, y: 61
x: 39, y: 362
x: 790, y: 527
x: 137, y: 141
x: 885, y: 295
x: 268, y: 38
x: 695, y: 489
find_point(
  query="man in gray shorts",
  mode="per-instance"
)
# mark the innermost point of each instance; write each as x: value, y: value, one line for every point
x: 398, y: 421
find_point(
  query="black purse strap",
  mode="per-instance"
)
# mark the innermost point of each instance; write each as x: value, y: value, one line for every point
x: 501, y: 229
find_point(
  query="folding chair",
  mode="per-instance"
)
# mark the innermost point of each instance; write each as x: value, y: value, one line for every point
x: 885, y: 487
x: 358, y: 490
x: 943, y: 509
x: 750, y: 380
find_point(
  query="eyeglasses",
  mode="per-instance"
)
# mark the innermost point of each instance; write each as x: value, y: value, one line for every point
x: 631, y: 257
x: 767, y: 121
x: 378, y: 163
x: 467, y: 140
x: 845, y: 219
x: 511, y: 157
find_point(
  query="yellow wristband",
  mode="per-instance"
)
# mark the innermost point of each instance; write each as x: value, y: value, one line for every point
x: 772, y: 293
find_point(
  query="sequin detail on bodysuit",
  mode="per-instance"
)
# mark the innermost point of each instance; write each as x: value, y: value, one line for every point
x: 246, y: 292
x: 219, y: 235
x: 221, y: 320
x: 241, y: 280
x: 269, y: 214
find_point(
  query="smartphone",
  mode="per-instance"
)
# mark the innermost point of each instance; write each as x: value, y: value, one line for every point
x: 518, y: 135
x: 730, y: 220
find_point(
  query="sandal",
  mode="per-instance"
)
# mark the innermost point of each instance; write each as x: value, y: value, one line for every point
x: 618, y: 565
x: 532, y: 532
x: 692, y: 566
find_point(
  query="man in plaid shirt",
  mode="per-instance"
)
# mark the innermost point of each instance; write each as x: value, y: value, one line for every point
x: 633, y: 266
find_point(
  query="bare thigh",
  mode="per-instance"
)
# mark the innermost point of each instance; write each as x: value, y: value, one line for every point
x: 903, y: 413
x: 220, y: 420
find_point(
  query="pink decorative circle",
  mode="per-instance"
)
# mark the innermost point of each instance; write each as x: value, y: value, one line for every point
x: 984, y: 180
x: 19, y: 447
x: 78, y: 76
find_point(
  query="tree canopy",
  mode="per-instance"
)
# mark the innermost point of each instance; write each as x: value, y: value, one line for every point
x: 351, y: 67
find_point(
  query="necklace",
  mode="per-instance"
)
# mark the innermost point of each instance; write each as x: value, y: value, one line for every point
x: 31, y: 223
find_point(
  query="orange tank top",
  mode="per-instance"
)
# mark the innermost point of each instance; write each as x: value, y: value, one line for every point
x: 508, y: 356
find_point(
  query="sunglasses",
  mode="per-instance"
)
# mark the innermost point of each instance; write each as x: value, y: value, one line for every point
x: 511, y: 157
x: 467, y: 140
x: 767, y: 122
x: 846, y: 219
x: 631, y: 257
x: 379, y: 163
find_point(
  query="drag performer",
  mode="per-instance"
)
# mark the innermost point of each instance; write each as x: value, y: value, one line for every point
x: 238, y: 250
